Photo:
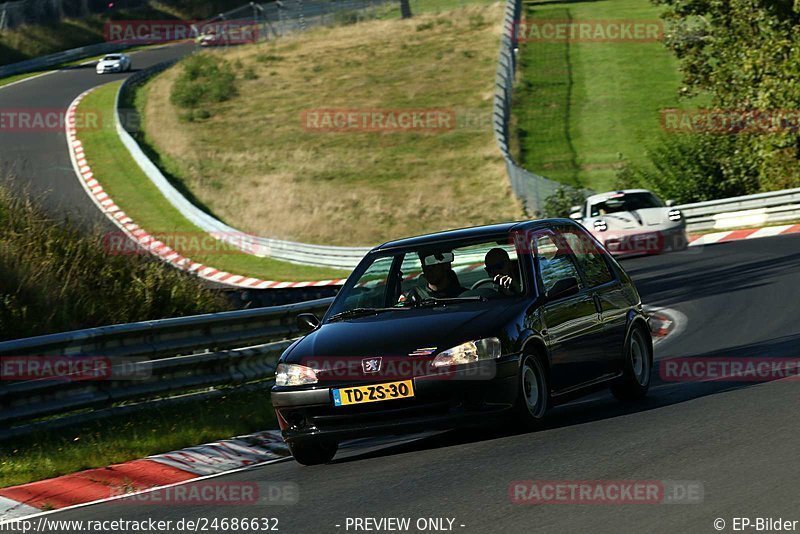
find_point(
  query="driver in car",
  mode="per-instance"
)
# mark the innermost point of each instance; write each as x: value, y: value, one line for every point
x: 440, y: 280
x: 501, y: 270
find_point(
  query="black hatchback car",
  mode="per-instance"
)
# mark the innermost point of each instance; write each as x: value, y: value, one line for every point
x: 456, y: 327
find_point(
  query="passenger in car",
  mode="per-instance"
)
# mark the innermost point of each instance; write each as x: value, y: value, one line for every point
x: 503, y: 271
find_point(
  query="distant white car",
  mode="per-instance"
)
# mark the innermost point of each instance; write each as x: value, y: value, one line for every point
x: 633, y: 221
x: 114, y: 63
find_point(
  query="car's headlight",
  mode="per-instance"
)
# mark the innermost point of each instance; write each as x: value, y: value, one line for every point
x: 471, y: 351
x: 291, y: 374
x: 600, y: 225
x: 674, y: 215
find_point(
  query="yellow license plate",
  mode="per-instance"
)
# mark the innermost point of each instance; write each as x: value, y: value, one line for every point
x: 373, y: 393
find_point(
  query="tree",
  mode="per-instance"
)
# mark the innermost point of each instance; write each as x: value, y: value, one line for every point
x: 746, y: 55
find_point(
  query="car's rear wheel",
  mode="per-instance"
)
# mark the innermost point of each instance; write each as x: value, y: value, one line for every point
x: 313, y: 452
x: 533, y: 398
x: 638, y: 366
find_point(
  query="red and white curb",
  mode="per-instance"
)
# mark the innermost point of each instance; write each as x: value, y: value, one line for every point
x: 737, y: 235
x: 139, y: 235
x: 665, y: 322
x: 130, y: 478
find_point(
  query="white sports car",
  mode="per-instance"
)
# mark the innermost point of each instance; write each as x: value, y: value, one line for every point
x: 633, y: 221
x: 114, y: 63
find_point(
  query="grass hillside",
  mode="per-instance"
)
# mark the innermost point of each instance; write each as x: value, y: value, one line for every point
x: 583, y: 107
x: 248, y: 157
x: 56, y: 278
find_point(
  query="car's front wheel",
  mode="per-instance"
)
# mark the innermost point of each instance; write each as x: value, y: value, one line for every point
x: 533, y: 398
x: 638, y: 364
x: 313, y: 452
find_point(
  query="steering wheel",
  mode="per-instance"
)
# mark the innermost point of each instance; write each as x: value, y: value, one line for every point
x: 480, y: 283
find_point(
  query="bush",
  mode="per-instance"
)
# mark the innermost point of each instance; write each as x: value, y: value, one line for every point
x: 696, y: 167
x: 250, y: 74
x: 56, y: 278
x: 268, y: 58
x: 559, y: 203
x: 205, y: 78
x: 347, y: 17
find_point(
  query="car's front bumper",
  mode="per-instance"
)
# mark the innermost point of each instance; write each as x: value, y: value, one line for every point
x: 105, y: 70
x: 441, y: 401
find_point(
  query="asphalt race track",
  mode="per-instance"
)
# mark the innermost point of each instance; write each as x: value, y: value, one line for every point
x: 739, y: 440
x: 38, y: 161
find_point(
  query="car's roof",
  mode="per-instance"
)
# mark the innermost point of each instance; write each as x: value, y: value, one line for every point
x: 466, y: 233
x: 603, y: 196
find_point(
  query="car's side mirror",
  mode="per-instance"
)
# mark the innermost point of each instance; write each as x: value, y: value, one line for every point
x: 566, y: 287
x: 670, y: 203
x: 308, y: 322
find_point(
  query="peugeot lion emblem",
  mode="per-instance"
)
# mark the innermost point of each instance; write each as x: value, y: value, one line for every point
x: 371, y: 365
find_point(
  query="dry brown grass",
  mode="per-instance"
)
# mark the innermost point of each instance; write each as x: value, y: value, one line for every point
x: 256, y: 167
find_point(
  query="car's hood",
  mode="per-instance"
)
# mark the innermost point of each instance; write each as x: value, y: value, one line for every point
x: 109, y: 63
x: 401, y: 333
x: 644, y: 219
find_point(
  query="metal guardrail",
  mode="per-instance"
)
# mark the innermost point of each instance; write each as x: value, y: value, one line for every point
x: 749, y: 210
x: 159, y: 359
x: 530, y: 188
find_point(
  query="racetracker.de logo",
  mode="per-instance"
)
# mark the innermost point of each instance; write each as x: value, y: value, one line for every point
x: 605, y: 492
x: 226, y: 32
x: 729, y: 369
x: 47, y: 120
x: 418, y: 365
x: 72, y: 368
x: 378, y: 120
x: 214, y: 492
x: 590, y: 31
x: 731, y: 121
x: 119, y: 243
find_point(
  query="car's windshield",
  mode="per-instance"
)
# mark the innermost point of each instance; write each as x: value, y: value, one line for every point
x: 432, y: 275
x: 625, y: 202
x: 112, y: 58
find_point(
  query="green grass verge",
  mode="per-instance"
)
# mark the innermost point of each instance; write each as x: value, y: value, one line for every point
x: 137, y: 196
x: 584, y: 107
x: 129, y: 437
x: 17, y: 77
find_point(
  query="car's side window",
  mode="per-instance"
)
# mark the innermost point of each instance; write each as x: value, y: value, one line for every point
x: 554, y: 262
x: 589, y: 257
x: 370, y: 290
